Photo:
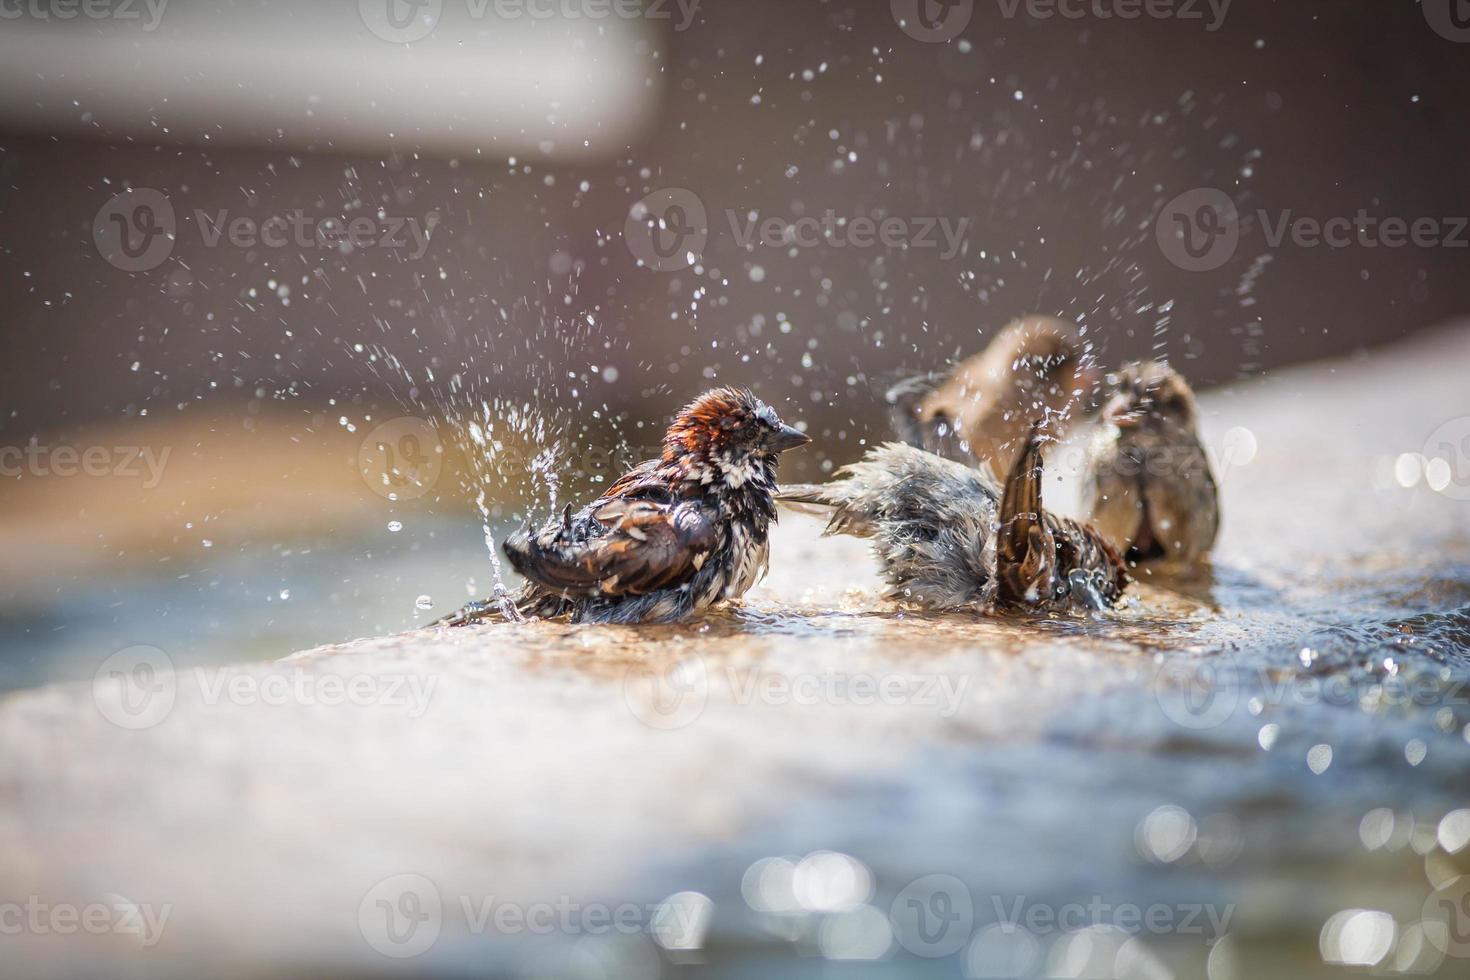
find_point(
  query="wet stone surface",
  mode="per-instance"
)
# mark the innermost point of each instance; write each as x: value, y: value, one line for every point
x: 1257, y: 773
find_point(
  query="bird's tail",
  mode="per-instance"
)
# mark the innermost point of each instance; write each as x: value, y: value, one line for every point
x: 904, y: 401
x: 807, y: 498
x: 1025, y: 551
x: 833, y: 502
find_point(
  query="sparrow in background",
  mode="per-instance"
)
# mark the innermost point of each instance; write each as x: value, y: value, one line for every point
x: 1149, y: 488
x: 981, y: 410
x: 674, y: 536
x: 949, y: 538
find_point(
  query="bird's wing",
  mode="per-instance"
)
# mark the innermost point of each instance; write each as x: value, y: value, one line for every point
x: 640, y: 481
x: 632, y: 546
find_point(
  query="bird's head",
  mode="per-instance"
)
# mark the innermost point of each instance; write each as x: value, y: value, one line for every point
x: 1150, y: 395
x: 730, y: 435
x: 1046, y: 362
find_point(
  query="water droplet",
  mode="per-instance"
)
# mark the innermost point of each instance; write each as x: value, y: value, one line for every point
x: 1319, y: 757
x: 395, y: 526
x: 423, y: 603
x: 285, y: 594
x: 1166, y: 834
x: 1266, y: 737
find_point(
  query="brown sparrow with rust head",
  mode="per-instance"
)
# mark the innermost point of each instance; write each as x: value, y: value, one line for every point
x: 675, y: 536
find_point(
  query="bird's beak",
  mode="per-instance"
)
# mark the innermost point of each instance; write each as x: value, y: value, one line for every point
x: 1128, y: 420
x: 1088, y: 392
x: 788, y: 437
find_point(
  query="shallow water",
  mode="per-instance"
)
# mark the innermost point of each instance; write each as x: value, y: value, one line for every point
x: 1200, y: 783
x: 1305, y: 707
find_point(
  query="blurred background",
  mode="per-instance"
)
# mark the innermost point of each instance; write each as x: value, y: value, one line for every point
x: 274, y: 275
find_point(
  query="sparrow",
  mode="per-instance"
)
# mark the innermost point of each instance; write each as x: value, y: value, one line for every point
x: 1149, y: 488
x: 949, y: 538
x: 674, y: 536
x: 980, y: 412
